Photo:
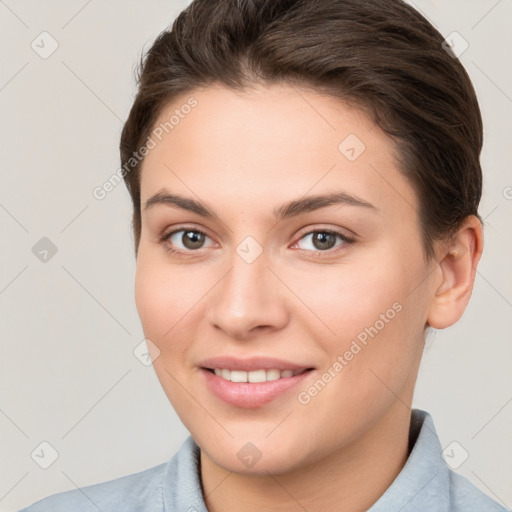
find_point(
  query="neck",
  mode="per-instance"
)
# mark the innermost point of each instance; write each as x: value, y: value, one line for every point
x: 351, y: 479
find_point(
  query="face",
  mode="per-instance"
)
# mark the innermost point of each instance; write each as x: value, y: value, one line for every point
x: 244, y: 273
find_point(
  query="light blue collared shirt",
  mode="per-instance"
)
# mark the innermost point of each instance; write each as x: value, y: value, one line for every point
x: 425, y: 484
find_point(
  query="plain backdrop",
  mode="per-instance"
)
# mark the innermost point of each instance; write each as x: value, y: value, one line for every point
x: 68, y: 324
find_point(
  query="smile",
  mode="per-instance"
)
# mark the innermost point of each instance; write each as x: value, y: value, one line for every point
x: 250, y: 389
x: 254, y: 376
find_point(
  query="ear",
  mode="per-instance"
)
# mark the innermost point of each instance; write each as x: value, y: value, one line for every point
x: 456, y: 261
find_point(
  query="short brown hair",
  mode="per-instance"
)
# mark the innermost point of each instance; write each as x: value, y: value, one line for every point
x: 380, y: 55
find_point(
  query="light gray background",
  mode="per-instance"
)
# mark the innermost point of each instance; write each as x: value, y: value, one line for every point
x: 69, y: 326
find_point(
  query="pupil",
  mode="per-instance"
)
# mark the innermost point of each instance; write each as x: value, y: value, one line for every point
x: 192, y: 239
x: 322, y: 240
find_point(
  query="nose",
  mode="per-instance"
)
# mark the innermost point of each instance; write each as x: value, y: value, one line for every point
x: 248, y: 300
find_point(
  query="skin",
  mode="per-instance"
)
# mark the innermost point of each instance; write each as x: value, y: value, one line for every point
x: 244, y: 154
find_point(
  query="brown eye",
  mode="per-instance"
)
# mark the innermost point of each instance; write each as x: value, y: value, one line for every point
x: 186, y: 239
x: 322, y: 240
x: 192, y: 239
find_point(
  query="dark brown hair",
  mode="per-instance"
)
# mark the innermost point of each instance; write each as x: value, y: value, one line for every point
x: 380, y: 55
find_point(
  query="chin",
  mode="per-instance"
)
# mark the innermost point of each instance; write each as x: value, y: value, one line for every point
x: 265, y: 462
x: 257, y: 457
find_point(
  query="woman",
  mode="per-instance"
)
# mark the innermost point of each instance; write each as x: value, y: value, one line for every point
x: 305, y: 179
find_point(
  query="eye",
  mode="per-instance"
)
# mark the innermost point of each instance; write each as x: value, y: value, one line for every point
x: 185, y: 240
x: 323, y: 240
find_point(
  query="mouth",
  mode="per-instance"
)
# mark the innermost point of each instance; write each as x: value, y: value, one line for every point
x: 252, y: 383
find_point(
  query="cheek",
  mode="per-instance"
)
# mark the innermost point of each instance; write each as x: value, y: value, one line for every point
x: 366, y: 311
x: 152, y: 298
x: 165, y: 303
x: 164, y: 299
x: 348, y: 299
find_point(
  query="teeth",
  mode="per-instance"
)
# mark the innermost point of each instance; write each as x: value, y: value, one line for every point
x: 238, y: 376
x: 255, y: 375
x: 273, y: 374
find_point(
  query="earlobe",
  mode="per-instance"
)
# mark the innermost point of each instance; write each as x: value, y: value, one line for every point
x: 457, y: 263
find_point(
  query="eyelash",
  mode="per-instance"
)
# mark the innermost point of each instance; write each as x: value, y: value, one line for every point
x: 346, y: 241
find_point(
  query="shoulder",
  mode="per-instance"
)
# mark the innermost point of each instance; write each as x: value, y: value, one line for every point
x: 128, y: 493
x: 427, y: 482
x: 451, y: 491
x: 466, y: 496
x: 168, y: 486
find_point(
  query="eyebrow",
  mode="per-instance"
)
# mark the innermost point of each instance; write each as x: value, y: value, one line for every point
x: 287, y: 210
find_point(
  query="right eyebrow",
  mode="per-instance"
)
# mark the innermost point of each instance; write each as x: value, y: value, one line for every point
x: 178, y: 201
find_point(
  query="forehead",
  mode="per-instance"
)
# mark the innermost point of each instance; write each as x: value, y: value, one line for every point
x: 269, y: 144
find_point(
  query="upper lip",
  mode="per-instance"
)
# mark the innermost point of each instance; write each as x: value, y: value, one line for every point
x: 250, y: 364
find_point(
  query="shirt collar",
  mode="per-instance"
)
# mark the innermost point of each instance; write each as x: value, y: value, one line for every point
x: 424, y: 480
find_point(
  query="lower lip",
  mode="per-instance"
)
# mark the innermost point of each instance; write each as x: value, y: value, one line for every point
x: 250, y: 395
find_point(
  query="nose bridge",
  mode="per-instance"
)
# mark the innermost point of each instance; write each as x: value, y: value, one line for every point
x: 247, y: 297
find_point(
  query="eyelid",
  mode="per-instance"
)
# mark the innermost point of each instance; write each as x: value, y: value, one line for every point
x: 315, y: 228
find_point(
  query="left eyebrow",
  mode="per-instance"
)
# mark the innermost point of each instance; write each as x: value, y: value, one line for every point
x: 287, y: 210
x: 311, y: 203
